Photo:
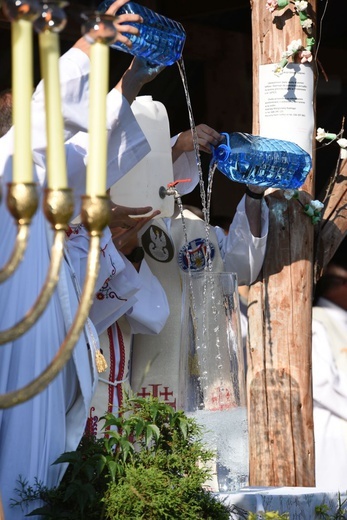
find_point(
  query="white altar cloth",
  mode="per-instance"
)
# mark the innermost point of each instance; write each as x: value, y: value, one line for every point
x: 299, y: 502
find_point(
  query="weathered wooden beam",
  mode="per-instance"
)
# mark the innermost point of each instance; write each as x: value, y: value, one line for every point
x: 279, y: 353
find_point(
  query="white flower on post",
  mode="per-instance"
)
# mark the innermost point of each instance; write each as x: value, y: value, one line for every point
x: 322, y: 134
x: 314, y: 211
x: 292, y: 49
x: 271, y: 5
x: 305, y: 56
x: 294, y: 46
x: 317, y: 205
x: 301, y: 5
x: 343, y: 145
x: 307, y: 24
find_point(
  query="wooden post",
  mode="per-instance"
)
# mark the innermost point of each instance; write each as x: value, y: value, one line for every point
x: 279, y: 353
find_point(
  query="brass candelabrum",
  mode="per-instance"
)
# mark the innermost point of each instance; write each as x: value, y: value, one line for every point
x: 22, y: 203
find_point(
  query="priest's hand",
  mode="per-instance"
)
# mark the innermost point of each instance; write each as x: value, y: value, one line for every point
x: 125, y: 228
x: 207, y: 138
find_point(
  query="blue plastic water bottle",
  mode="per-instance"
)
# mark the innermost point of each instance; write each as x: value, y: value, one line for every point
x: 261, y: 161
x: 160, y: 40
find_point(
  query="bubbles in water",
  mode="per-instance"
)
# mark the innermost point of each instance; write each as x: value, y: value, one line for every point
x: 226, y: 433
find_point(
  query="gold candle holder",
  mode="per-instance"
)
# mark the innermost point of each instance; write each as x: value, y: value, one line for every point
x: 95, y: 216
x: 22, y: 198
x: 21, y: 14
x: 58, y: 209
x: 22, y: 203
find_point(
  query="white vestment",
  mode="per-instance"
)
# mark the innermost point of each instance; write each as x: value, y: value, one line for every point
x: 136, y: 303
x: 155, y: 359
x: 145, y: 312
x: 329, y: 370
x: 148, y: 315
x: 35, y: 433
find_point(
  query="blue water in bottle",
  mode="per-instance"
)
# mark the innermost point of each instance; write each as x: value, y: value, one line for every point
x: 262, y: 161
x: 160, y: 40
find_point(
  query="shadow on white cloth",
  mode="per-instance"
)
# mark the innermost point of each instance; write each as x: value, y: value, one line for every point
x: 299, y: 502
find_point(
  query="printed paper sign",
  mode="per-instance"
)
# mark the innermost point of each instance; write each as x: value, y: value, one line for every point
x: 286, y: 104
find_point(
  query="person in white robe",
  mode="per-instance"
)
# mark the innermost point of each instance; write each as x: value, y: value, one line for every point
x: 145, y: 311
x: 146, y: 317
x: 329, y: 373
x: 155, y: 359
x: 35, y: 433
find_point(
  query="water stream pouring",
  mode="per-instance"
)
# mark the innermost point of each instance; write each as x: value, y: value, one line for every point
x: 212, y: 385
x: 262, y: 161
x: 160, y: 41
x: 213, y: 302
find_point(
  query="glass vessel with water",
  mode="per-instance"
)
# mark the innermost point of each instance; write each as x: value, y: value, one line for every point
x: 212, y: 373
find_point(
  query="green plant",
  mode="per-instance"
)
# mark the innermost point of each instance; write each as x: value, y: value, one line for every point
x: 81, y: 490
x: 323, y: 513
x: 150, y: 465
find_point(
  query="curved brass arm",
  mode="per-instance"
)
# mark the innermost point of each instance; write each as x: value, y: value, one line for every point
x: 22, y: 202
x: 65, y: 350
x: 43, y: 298
x: 95, y: 216
x: 58, y: 208
x: 17, y: 253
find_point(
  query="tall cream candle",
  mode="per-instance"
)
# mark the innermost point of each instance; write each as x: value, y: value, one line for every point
x: 22, y: 91
x: 56, y: 160
x: 97, y: 154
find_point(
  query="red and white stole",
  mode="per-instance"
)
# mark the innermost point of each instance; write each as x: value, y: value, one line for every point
x: 155, y: 359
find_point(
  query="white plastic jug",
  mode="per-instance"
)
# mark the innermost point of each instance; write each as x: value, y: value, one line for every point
x: 141, y: 185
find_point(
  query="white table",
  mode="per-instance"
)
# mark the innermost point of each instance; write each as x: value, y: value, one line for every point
x: 299, y: 502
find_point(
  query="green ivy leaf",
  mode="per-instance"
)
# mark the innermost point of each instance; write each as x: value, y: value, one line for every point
x: 152, y: 430
x: 68, y: 457
x: 113, y: 468
x: 183, y: 425
x: 100, y: 464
